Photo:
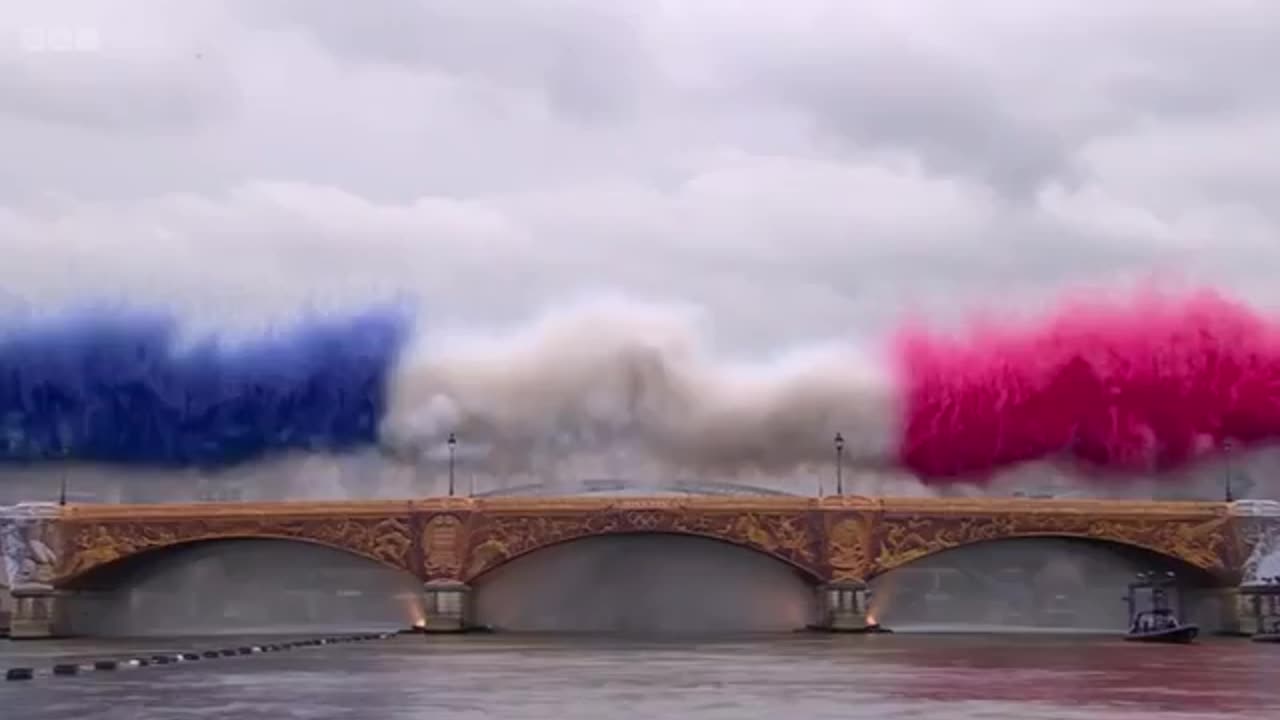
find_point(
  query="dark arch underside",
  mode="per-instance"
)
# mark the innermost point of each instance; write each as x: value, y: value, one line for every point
x: 644, y: 583
x: 241, y: 585
x: 92, y: 575
x: 1136, y: 551
x: 1050, y: 583
x: 810, y: 574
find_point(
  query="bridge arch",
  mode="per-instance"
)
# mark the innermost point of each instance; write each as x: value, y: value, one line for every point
x: 787, y: 537
x: 1199, y: 569
x: 1042, y: 580
x: 483, y: 567
x: 89, y: 547
x: 87, y: 575
x: 239, y: 584
x: 1195, y: 539
x: 663, y: 582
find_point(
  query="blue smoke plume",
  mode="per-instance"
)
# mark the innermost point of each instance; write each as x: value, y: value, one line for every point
x: 120, y: 388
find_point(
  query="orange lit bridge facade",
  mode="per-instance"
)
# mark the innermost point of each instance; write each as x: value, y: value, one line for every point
x: 838, y: 543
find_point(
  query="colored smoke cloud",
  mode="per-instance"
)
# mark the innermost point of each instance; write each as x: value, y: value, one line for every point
x: 615, y: 388
x: 101, y: 386
x: 612, y: 388
x: 1147, y: 385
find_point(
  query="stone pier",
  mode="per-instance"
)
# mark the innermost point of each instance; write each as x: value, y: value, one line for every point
x: 447, y: 605
x: 1258, y: 597
x: 844, y: 607
x: 1260, y: 608
x: 36, y: 613
x: 1217, y: 610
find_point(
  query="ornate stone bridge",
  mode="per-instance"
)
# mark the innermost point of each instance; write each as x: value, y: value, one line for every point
x: 837, y: 543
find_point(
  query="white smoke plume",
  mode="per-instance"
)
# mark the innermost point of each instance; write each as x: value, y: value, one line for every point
x: 619, y: 388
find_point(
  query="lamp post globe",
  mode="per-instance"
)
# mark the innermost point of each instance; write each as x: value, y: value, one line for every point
x: 839, y: 464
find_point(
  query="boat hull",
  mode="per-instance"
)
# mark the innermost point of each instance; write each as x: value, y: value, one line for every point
x: 873, y: 629
x: 1180, y: 635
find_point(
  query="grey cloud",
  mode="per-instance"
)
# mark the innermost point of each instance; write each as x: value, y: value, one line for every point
x: 126, y: 68
x: 582, y: 56
x: 118, y: 95
x: 804, y: 174
x: 944, y: 114
x: 812, y: 169
x: 1005, y: 94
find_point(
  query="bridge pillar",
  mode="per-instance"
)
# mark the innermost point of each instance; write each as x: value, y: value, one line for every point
x: 1217, y: 610
x: 36, y: 613
x: 1257, y: 606
x: 844, y: 607
x: 447, y: 606
x: 1260, y: 607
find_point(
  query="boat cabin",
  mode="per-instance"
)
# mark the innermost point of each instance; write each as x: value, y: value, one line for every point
x: 1152, y: 620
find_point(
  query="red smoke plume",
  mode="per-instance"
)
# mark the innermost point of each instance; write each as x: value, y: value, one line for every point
x: 1148, y: 385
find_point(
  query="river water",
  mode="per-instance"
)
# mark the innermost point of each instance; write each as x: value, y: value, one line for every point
x: 956, y: 676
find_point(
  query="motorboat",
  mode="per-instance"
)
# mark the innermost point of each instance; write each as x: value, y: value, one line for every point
x: 871, y: 628
x: 1161, y: 626
x: 1158, y: 623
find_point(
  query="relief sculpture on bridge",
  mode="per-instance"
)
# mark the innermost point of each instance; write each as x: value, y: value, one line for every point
x: 498, y: 538
x: 443, y: 543
x: 1198, y: 541
x: 92, y: 544
x: 1258, y: 534
x: 29, y: 542
x: 849, y: 545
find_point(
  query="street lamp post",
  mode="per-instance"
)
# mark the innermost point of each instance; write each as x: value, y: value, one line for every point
x: 839, y: 464
x: 64, y: 450
x: 453, y: 445
x: 1229, y: 446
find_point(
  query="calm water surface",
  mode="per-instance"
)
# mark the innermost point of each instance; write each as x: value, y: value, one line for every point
x: 563, y: 678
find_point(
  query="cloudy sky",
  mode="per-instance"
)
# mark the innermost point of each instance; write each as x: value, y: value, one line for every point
x: 798, y: 169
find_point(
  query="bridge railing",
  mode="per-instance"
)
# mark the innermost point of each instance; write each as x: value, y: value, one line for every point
x: 603, y: 486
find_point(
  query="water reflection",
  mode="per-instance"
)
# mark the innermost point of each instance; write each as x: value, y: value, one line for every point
x: 565, y: 678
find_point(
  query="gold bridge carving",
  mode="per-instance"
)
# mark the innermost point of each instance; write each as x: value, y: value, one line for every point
x: 1198, y: 541
x: 502, y: 537
x: 92, y: 544
x: 849, y: 546
x: 443, y: 545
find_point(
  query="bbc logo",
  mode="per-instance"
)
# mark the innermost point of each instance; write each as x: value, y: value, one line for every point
x: 60, y: 40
